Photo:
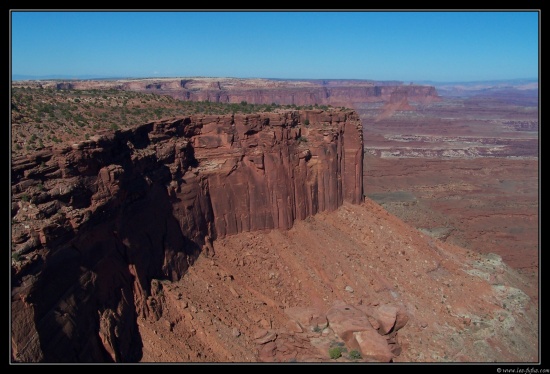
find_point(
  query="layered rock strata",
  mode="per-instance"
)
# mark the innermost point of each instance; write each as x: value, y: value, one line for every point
x: 262, y: 91
x: 95, y: 222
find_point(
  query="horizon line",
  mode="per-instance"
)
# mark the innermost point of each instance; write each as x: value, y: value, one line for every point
x: 27, y: 77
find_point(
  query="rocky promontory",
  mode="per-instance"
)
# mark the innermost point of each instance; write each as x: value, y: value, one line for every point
x: 95, y: 221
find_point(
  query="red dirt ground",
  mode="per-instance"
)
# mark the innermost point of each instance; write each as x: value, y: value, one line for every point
x: 455, y: 298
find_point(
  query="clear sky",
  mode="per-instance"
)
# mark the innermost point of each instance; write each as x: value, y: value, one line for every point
x: 391, y: 45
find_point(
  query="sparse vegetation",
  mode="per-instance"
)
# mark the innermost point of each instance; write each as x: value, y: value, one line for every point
x: 335, y: 352
x: 48, y: 116
x: 355, y: 355
x: 16, y: 256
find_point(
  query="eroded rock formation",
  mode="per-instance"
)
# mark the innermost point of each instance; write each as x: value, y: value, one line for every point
x: 95, y: 222
x: 265, y: 91
x: 344, y: 95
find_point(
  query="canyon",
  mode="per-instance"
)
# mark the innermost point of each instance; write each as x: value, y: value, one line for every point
x: 87, y: 208
x: 261, y: 91
x: 465, y: 170
x: 281, y: 236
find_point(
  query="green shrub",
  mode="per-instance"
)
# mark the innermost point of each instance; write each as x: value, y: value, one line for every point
x: 335, y: 352
x: 355, y: 355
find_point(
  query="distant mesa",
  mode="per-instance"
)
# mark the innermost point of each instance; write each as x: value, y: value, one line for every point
x: 337, y: 92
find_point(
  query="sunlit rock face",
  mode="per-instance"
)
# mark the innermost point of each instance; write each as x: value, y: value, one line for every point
x: 94, y: 223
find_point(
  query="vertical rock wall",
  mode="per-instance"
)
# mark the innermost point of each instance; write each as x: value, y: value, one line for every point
x: 96, y: 222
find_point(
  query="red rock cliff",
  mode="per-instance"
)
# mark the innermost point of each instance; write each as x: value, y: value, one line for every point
x: 96, y: 222
x: 335, y: 96
x: 265, y: 91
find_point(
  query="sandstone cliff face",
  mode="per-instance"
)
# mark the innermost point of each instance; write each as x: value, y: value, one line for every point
x: 264, y: 91
x: 94, y: 223
x: 336, y: 96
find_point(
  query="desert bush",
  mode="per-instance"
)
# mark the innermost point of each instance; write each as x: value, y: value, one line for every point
x: 355, y: 355
x: 335, y: 352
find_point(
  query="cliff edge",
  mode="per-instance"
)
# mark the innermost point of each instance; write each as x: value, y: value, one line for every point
x: 95, y: 222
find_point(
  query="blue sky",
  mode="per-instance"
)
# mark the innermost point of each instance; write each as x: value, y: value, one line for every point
x: 392, y: 45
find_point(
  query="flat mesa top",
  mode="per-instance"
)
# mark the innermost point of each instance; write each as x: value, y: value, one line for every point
x: 210, y: 82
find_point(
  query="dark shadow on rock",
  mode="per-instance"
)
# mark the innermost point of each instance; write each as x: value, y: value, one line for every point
x: 92, y: 287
